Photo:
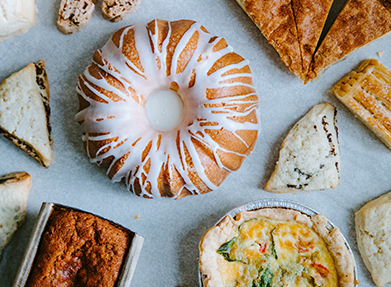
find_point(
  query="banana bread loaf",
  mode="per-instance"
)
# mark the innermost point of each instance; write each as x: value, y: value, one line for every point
x: 79, y: 249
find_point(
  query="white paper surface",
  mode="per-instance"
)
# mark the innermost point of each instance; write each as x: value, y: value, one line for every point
x: 172, y: 229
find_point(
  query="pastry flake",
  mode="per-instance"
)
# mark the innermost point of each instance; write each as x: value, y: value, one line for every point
x: 359, y: 23
x: 367, y: 93
x: 275, y: 246
x: 309, y: 156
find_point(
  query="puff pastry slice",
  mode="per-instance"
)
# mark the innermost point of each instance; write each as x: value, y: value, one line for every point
x: 359, y: 23
x: 367, y: 93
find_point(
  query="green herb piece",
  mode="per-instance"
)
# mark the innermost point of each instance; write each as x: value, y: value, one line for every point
x: 266, y: 279
x: 225, y: 249
x: 274, y: 251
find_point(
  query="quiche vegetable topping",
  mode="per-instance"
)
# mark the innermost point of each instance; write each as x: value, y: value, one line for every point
x: 278, y: 253
x: 275, y: 247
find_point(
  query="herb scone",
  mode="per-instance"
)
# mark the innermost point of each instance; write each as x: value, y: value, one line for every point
x: 14, y: 190
x: 275, y: 247
x: 373, y: 232
x: 25, y: 112
x: 309, y: 156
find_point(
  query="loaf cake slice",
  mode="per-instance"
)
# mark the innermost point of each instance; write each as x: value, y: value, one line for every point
x: 14, y: 189
x: 25, y: 112
x: 275, y: 19
x: 373, y: 231
x: 116, y: 10
x: 367, y: 93
x: 16, y: 17
x: 309, y: 156
x: 75, y: 15
x: 359, y: 23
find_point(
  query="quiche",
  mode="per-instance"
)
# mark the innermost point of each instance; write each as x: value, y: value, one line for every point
x: 275, y: 247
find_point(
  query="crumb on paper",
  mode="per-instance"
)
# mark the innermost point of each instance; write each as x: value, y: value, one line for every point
x: 137, y: 217
x: 381, y: 53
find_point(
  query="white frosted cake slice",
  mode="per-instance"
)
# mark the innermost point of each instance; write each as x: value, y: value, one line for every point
x: 14, y: 190
x: 16, y: 17
x: 309, y: 156
x: 25, y: 112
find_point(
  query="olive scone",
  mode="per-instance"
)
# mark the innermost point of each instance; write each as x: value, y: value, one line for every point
x: 14, y: 189
x: 309, y: 156
x: 275, y: 247
x: 25, y: 112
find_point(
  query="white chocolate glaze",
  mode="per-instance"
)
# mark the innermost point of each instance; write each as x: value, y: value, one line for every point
x: 125, y: 121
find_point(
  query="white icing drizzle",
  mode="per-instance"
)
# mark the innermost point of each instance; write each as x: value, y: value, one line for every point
x: 126, y: 121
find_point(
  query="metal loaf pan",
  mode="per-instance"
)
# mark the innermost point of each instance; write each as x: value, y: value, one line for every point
x: 280, y: 203
x: 128, y: 266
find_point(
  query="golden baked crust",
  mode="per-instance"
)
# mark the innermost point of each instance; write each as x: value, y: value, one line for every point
x: 79, y: 249
x: 224, y: 231
x: 275, y: 19
x: 367, y: 93
x: 359, y: 23
x: 310, y: 17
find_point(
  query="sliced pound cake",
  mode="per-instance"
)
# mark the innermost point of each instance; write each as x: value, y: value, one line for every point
x: 14, y: 189
x: 25, y: 112
x: 309, y: 156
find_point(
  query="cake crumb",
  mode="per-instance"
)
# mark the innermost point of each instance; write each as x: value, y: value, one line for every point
x: 381, y: 53
x: 137, y: 217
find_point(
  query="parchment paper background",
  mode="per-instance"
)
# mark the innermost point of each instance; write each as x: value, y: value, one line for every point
x: 173, y: 228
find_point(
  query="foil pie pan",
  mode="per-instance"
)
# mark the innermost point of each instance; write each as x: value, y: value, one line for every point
x: 128, y: 266
x: 280, y: 203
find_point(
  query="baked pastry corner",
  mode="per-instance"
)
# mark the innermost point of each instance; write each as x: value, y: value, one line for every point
x: 25, y: 112
x: 309, y: 156
x: 14, y: 189
x: 373, y: 231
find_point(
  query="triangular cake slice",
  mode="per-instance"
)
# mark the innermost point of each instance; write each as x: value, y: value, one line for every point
x: 14, y: 189
x: 276, y: 21
x: 25, y: 112
x: 359, y: 23
x: 309, y: 156
x: 310, y: 17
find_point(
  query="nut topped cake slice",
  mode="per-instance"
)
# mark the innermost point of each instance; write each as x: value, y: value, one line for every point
x: 14, y: 190
x: 25, y: 112
x: 367, y: 93
x: 116, y: 10
x: 359, y: 23
x: 309, y: 156
x: 276, y: 20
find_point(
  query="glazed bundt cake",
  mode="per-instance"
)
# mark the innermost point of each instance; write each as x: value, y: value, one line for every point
x: 168, y: 109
